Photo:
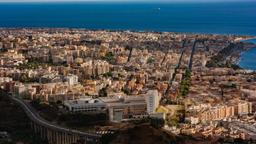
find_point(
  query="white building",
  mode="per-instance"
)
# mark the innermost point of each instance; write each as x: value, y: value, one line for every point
x: 152, y: 98
x: 19, y: 89
x: 119, y: 108
x: 5, y: 79
x: 87, y: 104
x: 72, y: 79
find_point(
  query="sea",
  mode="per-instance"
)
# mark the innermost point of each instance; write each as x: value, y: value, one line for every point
x: 191, y: 17
x: 248, y: 58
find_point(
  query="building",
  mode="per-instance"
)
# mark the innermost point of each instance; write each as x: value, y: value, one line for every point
x: 50, y: 78
x: 152, y: 99
x: 126, y: 108
x: 217, y: 113
x: 5, y: 79
x: 19, y: 89
x: 119, y: 108
x: 85, y: 105
x: 72, y: 79
x: 1, y: 45
x: 244, y: 108
x: 226, y: 111
x: 94, y: 68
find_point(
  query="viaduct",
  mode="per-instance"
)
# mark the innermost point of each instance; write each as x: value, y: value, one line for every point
x: 55, y: 134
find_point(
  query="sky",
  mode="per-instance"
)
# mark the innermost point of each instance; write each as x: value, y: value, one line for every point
x: 120, y: 0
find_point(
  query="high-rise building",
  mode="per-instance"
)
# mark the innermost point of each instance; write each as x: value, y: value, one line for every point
x: 152, y: 98
x: 95, y: 68
x: 19, y: 89
x: 244, y: 108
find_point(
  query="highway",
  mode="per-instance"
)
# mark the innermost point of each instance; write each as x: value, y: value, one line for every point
x: 36, y: 118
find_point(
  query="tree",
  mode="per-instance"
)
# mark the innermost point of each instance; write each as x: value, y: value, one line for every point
x: 109, y: 56
x: 36, y: 103
x: 185, y: 83
x: 103, y: 92
x: 150, y: 60
x: 157, y: 122
x: 108, y: 74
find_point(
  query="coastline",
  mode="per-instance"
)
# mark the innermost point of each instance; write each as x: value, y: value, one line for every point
x: 235, y: 57
x: 243, y: 37
x: 239, y: 58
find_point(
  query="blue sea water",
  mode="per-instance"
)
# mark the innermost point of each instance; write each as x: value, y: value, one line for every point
x: 248, y: 58
x: 218, y: 17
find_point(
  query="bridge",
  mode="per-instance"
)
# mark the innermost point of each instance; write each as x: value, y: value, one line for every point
x: 55, y: 134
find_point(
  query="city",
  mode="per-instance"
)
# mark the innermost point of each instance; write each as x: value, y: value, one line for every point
x: 90, y: 86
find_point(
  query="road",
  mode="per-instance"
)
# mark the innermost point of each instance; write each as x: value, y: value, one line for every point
x: 130, y: 54
x: 192, y: 55
x: 193, y: 51
x: 176, y: 68
x: 36, y: 118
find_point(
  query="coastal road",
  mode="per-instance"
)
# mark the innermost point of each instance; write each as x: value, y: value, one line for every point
x: 36, y: 118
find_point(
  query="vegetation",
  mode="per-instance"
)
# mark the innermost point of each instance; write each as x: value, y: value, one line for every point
x: 219, y: 60
x: 141, y: 121
x: 34, y: 64
x: 125, y: 90
x: 172, y: 121
x: 142, y: 134
x: 103, y: 92
x: 150, y: 60
x: 26, y: 79
x: 31, y: 65
x: 235, y: 67
x: 109, y: 56
x: 51, y: 112
x: 185, y: 83
x: 36, y: 103
x: 80, y: 119
x: 157, y: 122
x: 108, y: 74
x: 107, y: 138
x: 14, y: 121
x: 228, y: 85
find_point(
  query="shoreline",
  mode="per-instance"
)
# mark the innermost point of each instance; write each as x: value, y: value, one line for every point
x: 246, y: 39
x: 237, y: 57
x: 240, y: 56
x: 130, y: 30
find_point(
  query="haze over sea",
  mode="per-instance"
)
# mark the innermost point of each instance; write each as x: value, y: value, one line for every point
x: 196, y: 17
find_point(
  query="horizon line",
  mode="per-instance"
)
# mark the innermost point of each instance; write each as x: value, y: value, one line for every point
x: 124, y: 1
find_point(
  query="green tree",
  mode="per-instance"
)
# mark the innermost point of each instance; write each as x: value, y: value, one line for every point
x: 103, y: 92
x: 185, y: 83
x: 157, y: 122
